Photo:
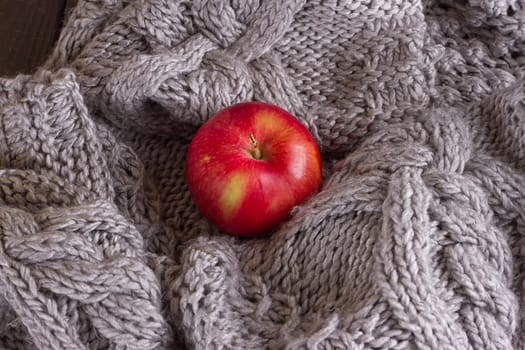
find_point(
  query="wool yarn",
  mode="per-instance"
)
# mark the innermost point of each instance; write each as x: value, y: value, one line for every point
x: 415, y: 241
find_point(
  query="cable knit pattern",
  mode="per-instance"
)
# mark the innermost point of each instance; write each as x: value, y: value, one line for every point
x: 415, y: 241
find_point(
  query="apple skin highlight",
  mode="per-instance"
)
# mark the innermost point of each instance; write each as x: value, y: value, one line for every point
x: 249, y: 165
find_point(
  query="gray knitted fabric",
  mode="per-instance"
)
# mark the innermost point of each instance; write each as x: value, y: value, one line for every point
x: 416, y: 240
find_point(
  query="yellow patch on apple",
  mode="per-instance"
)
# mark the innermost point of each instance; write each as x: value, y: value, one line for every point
x: 265, y: 120
x: 233, y: 194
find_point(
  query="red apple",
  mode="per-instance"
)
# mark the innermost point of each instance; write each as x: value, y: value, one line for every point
x: 249, y: 165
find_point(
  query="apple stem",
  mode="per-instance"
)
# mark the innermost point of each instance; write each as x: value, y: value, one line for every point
x: 256, y: 151
x: 252, y: 140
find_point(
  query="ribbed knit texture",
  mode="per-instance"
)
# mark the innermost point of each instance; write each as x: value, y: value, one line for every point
x: 416, y: 240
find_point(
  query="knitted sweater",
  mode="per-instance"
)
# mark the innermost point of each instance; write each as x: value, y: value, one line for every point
x: 415, y: 241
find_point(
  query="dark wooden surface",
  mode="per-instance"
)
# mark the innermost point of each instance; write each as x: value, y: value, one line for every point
x: 28, y: 31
